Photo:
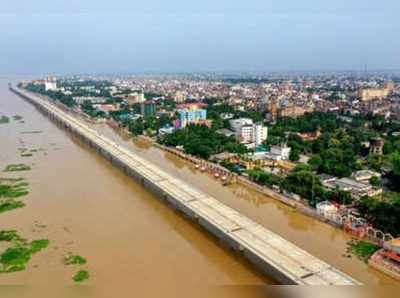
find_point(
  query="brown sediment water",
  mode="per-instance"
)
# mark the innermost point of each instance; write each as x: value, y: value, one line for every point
x: 99, y: 193
x: 84, y: 205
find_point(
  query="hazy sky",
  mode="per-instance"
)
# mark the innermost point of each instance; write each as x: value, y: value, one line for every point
x: 92, y: 36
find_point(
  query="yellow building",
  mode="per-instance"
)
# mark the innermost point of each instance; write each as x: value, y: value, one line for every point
x: 375, y: 93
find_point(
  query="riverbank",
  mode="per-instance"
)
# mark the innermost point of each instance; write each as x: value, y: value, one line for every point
x: 295, y: 204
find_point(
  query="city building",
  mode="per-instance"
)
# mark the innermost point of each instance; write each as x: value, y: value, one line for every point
x: 50, y: 84
x: 278, y: 153
x: 247, y: 132
x: 179, y: 97
x: 191, y: 114
x: 367, y: 94
x: 148, y: 108
x: 136, y: 98
x: 356, y: 188
x: 365, y: 175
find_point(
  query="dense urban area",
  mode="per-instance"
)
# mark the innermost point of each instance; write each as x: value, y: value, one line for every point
x: 329, y: 142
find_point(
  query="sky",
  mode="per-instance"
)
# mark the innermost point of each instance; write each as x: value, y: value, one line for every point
x: 166, y: 36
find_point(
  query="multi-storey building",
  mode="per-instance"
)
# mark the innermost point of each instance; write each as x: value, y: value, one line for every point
x: 191, y: 114
x: 148, y: 108
x: 248, y: 132
x: 50, y: 84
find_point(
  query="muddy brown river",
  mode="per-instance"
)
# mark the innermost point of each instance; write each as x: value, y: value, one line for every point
x: 84, y: 205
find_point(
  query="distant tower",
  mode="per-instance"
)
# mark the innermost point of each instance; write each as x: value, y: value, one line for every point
x: 273, y: 109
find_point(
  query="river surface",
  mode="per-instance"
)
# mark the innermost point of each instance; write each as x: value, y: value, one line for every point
x: 128, y: 236
x: 84, y: 205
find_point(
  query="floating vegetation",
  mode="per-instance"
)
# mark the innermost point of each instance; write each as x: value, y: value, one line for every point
x: 71, y: 259
x: 9, y: 236
x: 10, y: 204
x: 15, y: 257
x: 81, y: 275
x: 17, y: 167
x: 39, y: 225
x: 4, y: 120
x: 31, y: 132
x: 10, y: 180
x: 25, y: 152
x: 10, y: 190
x: 17, y: 117
x: 362, y: 249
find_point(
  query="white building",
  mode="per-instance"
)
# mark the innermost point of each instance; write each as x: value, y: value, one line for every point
x: 278, y: 153
x: 50, y: 84
x: 248, y: 132
x: 260, y: 134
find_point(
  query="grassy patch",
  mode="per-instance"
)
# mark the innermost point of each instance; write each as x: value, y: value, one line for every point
x: 81, y: 275
x: 16, y: 257
x: 17, y: 168
x: 4, y: 120
x: 362, y: 249
x: 74, y: 260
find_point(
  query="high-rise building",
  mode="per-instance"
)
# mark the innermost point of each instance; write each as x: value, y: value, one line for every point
x: 191, y: 116
x: 148, y: 108
x: 260, y: 134
x: 248, y: 132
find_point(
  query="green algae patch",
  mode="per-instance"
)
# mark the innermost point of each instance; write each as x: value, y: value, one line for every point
x: 9, y: 204
x: 10, y: 236
x: 11, y: 190
x: 81, y: 276
x: 74, y: 260
x: 17, y: 256
x: 17, y: 168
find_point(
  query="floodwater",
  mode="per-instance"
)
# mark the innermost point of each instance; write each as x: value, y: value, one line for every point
x: 84, y: 205
x: 92, y: 209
